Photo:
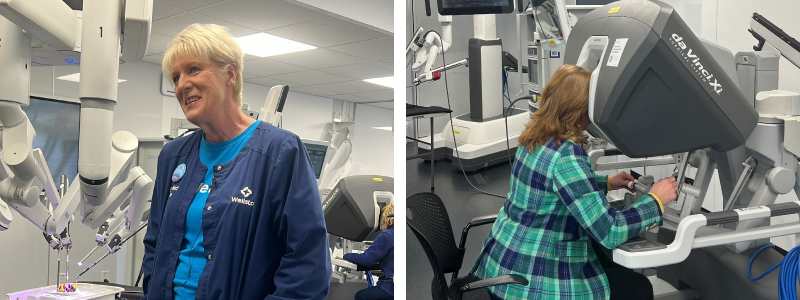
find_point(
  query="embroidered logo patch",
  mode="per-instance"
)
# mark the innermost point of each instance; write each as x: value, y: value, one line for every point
x: 246, y: 192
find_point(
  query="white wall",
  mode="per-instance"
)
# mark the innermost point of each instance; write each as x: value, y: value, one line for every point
x: 369, y: 142
x: 136, y: 98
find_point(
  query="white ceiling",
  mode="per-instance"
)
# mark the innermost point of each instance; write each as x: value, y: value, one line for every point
x: 347, y: 52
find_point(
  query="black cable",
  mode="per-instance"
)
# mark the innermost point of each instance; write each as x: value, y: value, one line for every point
x: 536, y: 17
x: 453, y: 131
x: 141, y: 272
x: 506, y: 113
x: 189, y: 273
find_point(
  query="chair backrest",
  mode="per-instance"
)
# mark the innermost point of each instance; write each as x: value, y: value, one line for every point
x: 428, y: 219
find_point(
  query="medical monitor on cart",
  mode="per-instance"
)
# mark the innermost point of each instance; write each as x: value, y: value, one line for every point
x: 475, y: 7
x: 316, y: 151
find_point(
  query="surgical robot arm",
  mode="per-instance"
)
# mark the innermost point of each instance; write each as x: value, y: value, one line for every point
x: 772, y: 38
x: 27, y: 172
x: 429, y: 45
x: 273, y: 107
x: 100, y: 39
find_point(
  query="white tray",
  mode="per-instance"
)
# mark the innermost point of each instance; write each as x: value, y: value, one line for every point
x: 85, y: 292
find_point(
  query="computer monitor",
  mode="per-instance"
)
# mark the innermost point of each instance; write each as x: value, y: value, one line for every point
x: 475, y: 7
x: 316, y: 151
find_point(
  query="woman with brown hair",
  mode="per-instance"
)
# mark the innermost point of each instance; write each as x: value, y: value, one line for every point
x: 557, y: 205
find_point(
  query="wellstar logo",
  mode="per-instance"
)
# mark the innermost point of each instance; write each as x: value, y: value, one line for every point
x: 245, y: 192
x: 692, y: 59
x: 242, y: 201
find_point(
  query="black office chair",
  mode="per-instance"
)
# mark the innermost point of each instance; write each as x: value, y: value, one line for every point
x: 428, y: 219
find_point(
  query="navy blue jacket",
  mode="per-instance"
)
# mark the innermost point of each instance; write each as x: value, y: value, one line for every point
x: 381, y: 251
x: 263, y: 229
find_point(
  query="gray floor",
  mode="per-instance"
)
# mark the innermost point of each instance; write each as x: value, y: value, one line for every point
x: 345, y: 291
x: 462, y: 202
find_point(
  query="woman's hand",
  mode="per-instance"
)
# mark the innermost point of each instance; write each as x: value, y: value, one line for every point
x: 620, y: 181
x: 664, y: 189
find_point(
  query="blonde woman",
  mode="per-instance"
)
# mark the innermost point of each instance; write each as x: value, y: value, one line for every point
x: 236, y: 213
x: 557, y: 205
x: 380, y: 252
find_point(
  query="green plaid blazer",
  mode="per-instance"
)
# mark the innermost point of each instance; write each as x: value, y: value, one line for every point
x: 555, y: 205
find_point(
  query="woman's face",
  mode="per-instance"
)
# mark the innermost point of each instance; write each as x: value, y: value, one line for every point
x: 200, y: 88
x: 585, y: 120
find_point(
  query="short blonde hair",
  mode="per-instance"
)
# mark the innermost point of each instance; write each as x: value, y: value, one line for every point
x: 211, y: 42
x: 386, y: 220
x: 564, y: 101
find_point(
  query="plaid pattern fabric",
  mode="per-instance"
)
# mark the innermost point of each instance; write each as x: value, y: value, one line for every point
x: 555, y: 205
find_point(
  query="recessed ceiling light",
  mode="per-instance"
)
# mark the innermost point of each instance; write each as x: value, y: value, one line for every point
x: 77, y: 78
x: 263, y: 45
x: 383, y: 128
x: 385, y: 81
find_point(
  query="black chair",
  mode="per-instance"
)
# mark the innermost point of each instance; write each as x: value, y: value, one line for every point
x: 428, y: 219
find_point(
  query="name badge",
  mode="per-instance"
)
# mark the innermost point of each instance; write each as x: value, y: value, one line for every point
x: 178, y: 174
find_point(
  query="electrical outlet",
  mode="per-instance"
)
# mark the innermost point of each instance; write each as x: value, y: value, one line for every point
x: 105, y: 276
x: 62, y: 278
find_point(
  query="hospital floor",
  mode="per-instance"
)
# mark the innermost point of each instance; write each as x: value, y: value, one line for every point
x: 462, y: 202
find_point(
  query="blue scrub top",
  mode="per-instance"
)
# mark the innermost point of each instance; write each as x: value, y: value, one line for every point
x: 192, y: 259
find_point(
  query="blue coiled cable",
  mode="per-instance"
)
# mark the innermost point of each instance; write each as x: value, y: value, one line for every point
x: 369, y: 279
x: 788, y: 274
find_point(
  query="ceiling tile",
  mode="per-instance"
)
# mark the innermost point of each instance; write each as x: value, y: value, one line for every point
x: 154, y: 59
x: 350, y: 98
x: 269, y: 82
x: 384, y: 95
x: 246, y: 76
x: 352, y: 87
x: 260, y: 14
x: 362, y: 71
x: 173, y: 25
x: 378, y: 49
x: 317, y: 58
x: 327, y: 32
x: 188, y: 4
x: 267, y: 67
x: 161, y: 11
x: 310, y: 90
x: 158, y: 43
x: 386, y: 105
x: 251, y: 57
x: 388, y: 62
x: 311, y: 77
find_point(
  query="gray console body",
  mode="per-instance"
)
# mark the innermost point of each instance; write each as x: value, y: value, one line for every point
x: 664, y: 93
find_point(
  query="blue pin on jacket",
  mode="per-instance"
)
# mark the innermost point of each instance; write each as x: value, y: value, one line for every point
x: 178, y: 174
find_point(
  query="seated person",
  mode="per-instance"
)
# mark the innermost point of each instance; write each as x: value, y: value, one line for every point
x: 557, y: 205
x: 381, y: 251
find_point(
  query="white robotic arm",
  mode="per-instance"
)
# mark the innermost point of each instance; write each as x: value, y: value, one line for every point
x: 433, y: 44
x: 273, y: 107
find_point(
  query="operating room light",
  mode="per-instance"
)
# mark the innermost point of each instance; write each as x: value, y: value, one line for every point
x: 76, y: 77
x: 384, y: 81
x: 263, y: 45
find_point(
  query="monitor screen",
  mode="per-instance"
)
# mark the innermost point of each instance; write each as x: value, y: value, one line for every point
x: 316, y: 151
x: 475, y: 7
x: 57, y: 134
